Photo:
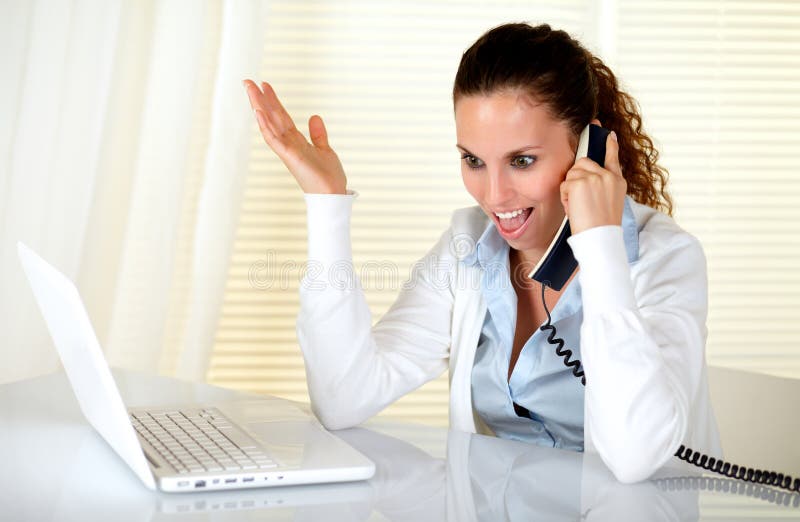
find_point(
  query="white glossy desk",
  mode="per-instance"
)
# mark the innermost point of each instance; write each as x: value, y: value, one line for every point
x: 55, y: 467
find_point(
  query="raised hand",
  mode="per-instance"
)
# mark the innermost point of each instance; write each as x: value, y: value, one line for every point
x: 315, y: 165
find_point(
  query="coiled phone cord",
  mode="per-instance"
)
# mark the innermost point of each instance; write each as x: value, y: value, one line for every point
x: 696, y: 458
x: 727, y: 485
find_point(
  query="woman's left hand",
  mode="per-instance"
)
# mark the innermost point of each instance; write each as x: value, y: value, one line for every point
x: 592, y: 195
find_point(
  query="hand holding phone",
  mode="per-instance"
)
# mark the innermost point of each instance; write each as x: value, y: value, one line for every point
x: 588, y: 185
x: 593, y: 193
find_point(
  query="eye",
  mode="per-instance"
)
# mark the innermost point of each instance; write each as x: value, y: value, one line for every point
x: 471, y: 161
x: 522, y: 162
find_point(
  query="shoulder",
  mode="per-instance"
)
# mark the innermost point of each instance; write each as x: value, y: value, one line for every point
x: 671, y: 269
x: 660, y: 235
x: 671, y: 261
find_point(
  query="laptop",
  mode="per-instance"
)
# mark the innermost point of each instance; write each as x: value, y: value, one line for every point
x: 187, y: 447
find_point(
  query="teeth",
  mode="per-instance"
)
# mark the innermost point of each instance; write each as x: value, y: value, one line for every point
x: 509, y: 215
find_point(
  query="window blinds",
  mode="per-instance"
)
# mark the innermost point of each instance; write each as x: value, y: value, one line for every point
x: 718, y: 83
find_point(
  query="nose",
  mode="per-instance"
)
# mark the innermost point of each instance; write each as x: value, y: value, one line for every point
x: 500, y: 189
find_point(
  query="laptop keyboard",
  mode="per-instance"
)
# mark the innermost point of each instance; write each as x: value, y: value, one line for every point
x: 199, y: 440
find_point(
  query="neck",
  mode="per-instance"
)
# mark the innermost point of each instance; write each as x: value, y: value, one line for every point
x: 521, y: 262
x: 526, y: 258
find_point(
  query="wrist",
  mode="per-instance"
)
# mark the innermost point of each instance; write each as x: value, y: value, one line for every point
x: 326, y: 191
x: 326, y: 188
x: 582, y: 224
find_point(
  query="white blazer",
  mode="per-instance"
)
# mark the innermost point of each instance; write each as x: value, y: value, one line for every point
x: 642, y: 339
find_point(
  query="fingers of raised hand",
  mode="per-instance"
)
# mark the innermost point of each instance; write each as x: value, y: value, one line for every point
x: 316, y: 129
x: 267, y: 102
x: 254, y: 94
x: 275, y: 124
x: 278, y: 117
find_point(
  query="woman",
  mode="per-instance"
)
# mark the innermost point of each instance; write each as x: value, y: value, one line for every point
x: 633, y: 312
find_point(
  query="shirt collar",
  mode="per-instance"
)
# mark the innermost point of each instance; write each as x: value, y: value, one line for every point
x: 491, y: 246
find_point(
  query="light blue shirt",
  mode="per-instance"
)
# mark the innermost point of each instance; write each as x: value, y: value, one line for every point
x: 540, y: 381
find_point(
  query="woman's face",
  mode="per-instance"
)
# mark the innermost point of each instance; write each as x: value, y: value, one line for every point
x: 514, y: 158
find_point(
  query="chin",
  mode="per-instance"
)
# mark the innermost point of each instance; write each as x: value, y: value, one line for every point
x: 534, y: 243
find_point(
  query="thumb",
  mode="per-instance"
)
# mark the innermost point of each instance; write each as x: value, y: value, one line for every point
x: 316, y: 129
x: 612, y: 154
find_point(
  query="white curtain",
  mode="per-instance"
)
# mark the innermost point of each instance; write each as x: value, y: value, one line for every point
x: 241, y: 52
x: 123, y: 148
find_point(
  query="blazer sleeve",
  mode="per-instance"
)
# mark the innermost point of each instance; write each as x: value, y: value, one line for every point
x: 355, y: 369
x: 642, y: 343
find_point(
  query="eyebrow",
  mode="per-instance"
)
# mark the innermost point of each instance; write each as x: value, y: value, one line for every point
x: 511, y: 154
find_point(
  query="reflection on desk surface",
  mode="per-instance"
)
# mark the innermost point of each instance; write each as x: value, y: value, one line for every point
x: 423, y: 474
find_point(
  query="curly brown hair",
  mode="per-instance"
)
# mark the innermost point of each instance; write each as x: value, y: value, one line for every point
x: 576, y: 86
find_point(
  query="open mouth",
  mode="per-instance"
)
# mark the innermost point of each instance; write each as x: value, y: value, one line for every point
x: 512, y: 224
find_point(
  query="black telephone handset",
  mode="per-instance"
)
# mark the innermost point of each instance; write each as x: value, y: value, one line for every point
x: 556, y: 267
x: 557, y: 264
